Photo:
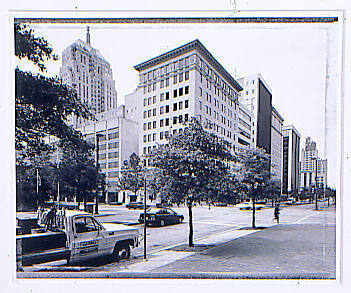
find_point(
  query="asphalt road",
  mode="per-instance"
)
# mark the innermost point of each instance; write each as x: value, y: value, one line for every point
x: 211, y: 222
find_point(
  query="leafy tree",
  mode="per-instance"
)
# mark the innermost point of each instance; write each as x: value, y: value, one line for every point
x: 192, y: 162
x: 43, y: 104
x: 132, y: 174
x: 273, y: 189
x: 253, y: 169
x: 78, y: 175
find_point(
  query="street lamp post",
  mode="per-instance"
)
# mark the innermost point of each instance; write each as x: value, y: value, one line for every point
x: 145, y: 217
x: 315, y: 180
x: 98, y: 135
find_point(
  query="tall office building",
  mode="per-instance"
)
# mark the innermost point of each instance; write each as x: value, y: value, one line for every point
x: 180, y: 84
x: 245, y: 126
x: 257, y: 97
x: 291, y: 154
x: 277, y: 145
x: 86, y: 70
x: 313, y: 170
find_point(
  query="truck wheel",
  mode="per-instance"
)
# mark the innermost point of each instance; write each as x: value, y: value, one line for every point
x: 180, y: 220
x: 162, y: 223
x: 121, y: 251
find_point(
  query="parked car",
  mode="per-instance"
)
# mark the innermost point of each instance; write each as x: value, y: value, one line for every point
x: 161, y: 217
x: 136, y: 205
x: 220, y: 204
x: 164, y: 204
x: 248, y: 205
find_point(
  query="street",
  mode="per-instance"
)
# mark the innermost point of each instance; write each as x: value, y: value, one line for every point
x: 168, y: 252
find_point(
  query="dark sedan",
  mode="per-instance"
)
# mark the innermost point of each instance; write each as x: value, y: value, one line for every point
x: 161, y: 217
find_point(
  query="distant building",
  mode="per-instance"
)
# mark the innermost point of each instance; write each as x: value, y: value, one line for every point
x: 313, y: 170
x: 119, y: 140
x: 277, y: 145
x: 291, y: 155
x: 86, y: 70
x: 180, y: 84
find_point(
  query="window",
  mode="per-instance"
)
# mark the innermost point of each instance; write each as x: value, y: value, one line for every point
x: 186, y: 105
x: 180, y: 77
x: 149, y: 101
x: 180, y: 105
x: 154, y: 124
x: 167, y: 96
x: 180, y: 118
x: 167, y: 81
x: 186, y: 117
x: 154, y: 86
x: 161, y: 122
x: 154, y: 99
x: 153, y: 136
x: 154, y: 112
x: 149, y: 125
x: 144, y: 126
x: 167, y: 121
x: 200, y: 91
x: 145, y: 102
x: 149, y: 113
x: 180, y: 91
x: 175, y: 93
x: 167, y: 108
x: 187, y: 75
x: 175, y: 107
x: 175, y: 120
x: 175, y: 79
x: 86, y: 224
x: 145, y: 114
x: 149, y: 137
x: 200, y: 104
x: 162, y: 84
x: 162, y: 96
x: 162, y: 109
x: 187, y: 90
x: 161, y: 135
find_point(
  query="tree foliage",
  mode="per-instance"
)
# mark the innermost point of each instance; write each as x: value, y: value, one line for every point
x: 132, y: 174
x: 43, y: 104
x: 193, y: 164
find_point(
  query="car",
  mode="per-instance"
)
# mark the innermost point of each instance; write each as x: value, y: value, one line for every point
x: 220, y: 204
x: 248, y: 205
x: 161, y: 217
x: 136, y: 205
x: 163, y: 205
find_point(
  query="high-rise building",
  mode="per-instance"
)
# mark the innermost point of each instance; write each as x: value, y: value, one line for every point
x: 245, y: 126
x: 257, y: 97
x: 313, y: 170
x: 277, y: 145
x: 291, y: 155
x: 180, y: 84
x: 86, y: 70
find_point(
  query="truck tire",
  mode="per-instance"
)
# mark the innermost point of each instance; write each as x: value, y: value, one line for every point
x: 180, y: 220
x: 162, y: 223
x: 121, y: 251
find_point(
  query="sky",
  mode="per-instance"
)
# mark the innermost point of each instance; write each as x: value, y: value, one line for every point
x: 291, y: 58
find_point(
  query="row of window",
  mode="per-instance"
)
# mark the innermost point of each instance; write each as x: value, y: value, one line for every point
x: 165, y: 96
x: 218, y: 105
x: 165, y: 82
x: 110, y: 155
x: 165, y: 109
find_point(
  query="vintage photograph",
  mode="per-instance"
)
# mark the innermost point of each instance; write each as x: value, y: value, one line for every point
x: 177, y: 147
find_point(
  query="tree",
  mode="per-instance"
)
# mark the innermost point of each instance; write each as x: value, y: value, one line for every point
x: 273, y: 189
x: 192, y: 164
x: 253, y: 169
x: 43, y: 104
x: 79, y: 175
x: 132, y: 174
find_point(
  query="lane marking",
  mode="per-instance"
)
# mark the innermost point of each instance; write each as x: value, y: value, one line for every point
x: 306, y: 217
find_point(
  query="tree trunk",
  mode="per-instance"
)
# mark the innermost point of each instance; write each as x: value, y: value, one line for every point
x: 191, y: 232
x: 85, y: 203
x: 253, y: 212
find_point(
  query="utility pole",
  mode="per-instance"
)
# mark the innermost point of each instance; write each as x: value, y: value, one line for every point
x: 315, y: 180
x: 98, y: 135
x: 145, y: 217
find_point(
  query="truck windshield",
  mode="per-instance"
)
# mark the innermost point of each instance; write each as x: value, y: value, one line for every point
x: 85, y: 224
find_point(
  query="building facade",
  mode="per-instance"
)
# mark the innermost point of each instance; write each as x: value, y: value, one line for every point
x: 85, y: 70
x: 291, y: 155
x: 257, y: 97
x: 180, y: 84
x: 245, y: 127
x: 277, y: 145
x: 313, y: 170
x: 119, y: 139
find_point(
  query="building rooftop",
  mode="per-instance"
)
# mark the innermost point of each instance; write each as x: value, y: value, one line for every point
x: 291, y: 127
x: 194, y: 45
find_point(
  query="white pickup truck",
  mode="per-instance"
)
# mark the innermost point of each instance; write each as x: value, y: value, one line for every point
x: 78, y: 236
